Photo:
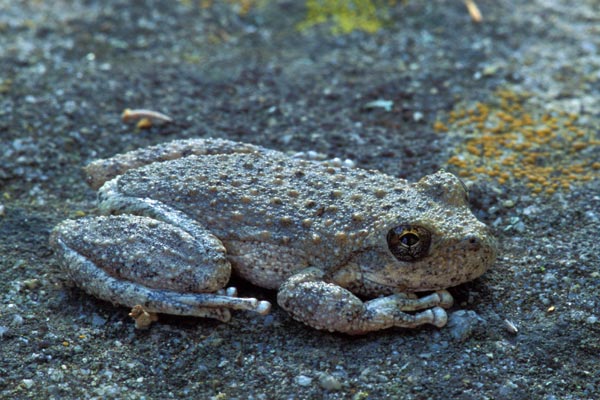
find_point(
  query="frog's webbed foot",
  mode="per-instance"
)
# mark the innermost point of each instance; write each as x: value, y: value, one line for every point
x: 328, y: 306
x: 215, y: 306
x: 132, y: 260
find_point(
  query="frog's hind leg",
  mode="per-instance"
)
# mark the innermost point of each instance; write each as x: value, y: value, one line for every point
x: 97, y: 282
x: 135, y: 260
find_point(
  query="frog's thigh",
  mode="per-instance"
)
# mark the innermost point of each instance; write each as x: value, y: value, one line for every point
x: 133, y: 260
x: 150, y: 252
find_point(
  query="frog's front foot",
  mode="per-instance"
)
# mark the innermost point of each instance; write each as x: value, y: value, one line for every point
x: 152, y: 266
x: 328, y: 306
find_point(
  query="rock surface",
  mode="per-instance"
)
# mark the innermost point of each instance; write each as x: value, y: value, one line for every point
x: 68, y: 70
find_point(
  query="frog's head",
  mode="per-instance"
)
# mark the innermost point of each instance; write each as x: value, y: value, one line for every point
x: 431, y: 241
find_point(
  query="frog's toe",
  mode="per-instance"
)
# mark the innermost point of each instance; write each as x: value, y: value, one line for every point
x: 143, y: 319
x: 440, y: 317
x: 435, y: 316
x: 230, y: 291
x: 446, y: 299
x: 263, y: 307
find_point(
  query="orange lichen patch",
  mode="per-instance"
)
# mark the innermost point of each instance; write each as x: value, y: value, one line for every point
x: 511, y: 142
x: 439, y: 126
x: 579, y: 145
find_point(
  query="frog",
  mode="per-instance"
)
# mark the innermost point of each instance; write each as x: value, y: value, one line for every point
x: 346, y: 249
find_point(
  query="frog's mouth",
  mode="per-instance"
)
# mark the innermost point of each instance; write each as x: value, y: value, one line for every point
x: 375, y: 283
x: 433, y: 275
x: 414, y: 280
x: 373, y: 280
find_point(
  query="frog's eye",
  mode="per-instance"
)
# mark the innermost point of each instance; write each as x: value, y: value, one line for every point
x: 409, y: 242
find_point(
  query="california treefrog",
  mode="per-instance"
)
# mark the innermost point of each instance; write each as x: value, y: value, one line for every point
x: 181, y: 216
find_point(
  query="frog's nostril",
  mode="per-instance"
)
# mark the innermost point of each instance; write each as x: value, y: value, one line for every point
x: 472, y: 242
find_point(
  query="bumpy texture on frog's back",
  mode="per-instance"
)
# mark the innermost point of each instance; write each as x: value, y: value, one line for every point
x: 328, y: 214
x: 100, y: 171
x: 325, y: 211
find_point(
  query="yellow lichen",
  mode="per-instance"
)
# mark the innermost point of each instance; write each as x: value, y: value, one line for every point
x: 513, y: 142
x: 344, y: 16
x: 347, y: 16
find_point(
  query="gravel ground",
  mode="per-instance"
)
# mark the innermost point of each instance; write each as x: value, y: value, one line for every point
x: 293, y: 77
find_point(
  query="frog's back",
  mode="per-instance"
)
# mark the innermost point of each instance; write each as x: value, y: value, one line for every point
x: 321, y: 209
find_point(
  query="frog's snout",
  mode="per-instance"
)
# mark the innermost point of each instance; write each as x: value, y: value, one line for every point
x: 479, y: 238
x: 482, y: 243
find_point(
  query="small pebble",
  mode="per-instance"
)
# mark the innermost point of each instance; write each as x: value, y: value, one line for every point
x: 17, y: 320
x: 97, y: 320
x: 387, y: 105
x: 349, y: 163
x: 520, y: 227
x: 28, y: 383
x: 70, y: 107
x: 303, y: 380
x: 364, y: 374
x: 508, y: 203
x: 329, y: 382
x: 462, y: 323
x: 31, y: 284
x: 268, y: 320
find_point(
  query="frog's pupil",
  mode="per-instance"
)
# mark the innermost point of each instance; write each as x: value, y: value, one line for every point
x: 409, y: 239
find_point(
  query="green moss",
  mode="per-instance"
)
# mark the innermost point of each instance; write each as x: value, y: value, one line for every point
x: 344, y: 16
x: 347, y: 16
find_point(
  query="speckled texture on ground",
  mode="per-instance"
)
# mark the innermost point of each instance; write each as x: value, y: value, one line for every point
x: 68, y: 69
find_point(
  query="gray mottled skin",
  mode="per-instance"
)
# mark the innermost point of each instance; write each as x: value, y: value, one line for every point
x: 314, y: 231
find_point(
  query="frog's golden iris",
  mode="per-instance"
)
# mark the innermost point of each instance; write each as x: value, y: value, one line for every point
x: 409, y: 242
